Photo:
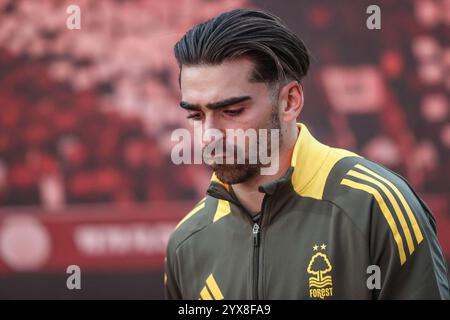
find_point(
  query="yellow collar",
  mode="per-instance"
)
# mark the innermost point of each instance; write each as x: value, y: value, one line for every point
x: 312, y: 162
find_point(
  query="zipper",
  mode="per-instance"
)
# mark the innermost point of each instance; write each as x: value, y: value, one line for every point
x: 256, y: 235
x: 256, y: 241
x: 256, y: 232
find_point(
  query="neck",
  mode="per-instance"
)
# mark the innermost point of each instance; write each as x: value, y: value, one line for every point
x: 248, y: 193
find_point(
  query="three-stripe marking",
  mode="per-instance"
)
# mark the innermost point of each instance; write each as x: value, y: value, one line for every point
x: 383, y: 184
x: 211, y: 291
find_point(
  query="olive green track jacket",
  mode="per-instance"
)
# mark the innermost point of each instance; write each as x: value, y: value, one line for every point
x: 335, y: 226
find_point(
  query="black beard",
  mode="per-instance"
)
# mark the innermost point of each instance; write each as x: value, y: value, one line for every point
x: 235, y: 173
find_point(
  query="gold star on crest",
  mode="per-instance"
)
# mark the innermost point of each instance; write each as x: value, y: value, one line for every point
x: 323, y: 246
x: 315, y: 247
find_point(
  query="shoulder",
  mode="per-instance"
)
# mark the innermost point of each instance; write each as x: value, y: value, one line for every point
x: 378, y: 200
x: 203, y: 214
x: 355, y: 183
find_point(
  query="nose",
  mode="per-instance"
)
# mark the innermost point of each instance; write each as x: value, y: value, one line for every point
x: 212, y: 131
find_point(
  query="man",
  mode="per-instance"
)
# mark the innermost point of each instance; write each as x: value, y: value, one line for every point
x: 328, y: 224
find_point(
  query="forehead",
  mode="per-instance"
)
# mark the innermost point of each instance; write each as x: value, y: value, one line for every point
x: 202, y: 84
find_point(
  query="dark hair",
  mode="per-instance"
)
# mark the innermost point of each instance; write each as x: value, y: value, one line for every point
x: 279, y: 55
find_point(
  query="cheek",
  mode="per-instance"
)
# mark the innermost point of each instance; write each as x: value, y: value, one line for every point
x: 261, y: 115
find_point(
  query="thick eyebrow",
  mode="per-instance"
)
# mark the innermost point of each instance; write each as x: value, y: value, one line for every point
x: 215, y: 105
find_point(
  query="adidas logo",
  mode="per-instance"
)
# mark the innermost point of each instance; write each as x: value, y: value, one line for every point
x: 211, y: 290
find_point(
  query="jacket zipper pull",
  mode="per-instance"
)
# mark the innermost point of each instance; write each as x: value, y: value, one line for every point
x: 256, y: 234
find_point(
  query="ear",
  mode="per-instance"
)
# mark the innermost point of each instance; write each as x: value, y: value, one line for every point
x: 290, y: 101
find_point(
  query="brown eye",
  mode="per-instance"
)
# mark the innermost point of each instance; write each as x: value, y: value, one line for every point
x: 234, y: 112
x: 195, y: 116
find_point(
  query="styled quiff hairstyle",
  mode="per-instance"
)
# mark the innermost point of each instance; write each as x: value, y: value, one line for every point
x: 278, y: 54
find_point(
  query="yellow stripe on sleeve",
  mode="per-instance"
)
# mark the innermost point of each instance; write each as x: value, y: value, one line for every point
x: 386, y: 212
x: 412, y: 218
x: 398, y: 211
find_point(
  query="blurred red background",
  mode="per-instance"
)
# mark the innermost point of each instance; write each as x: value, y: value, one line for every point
x: 86, y: 117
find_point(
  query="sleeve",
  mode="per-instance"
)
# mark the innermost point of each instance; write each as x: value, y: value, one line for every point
x: 404, y: 245
x: 171, y: 288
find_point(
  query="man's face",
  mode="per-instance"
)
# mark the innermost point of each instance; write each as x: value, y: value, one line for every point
x: 222, y: 97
